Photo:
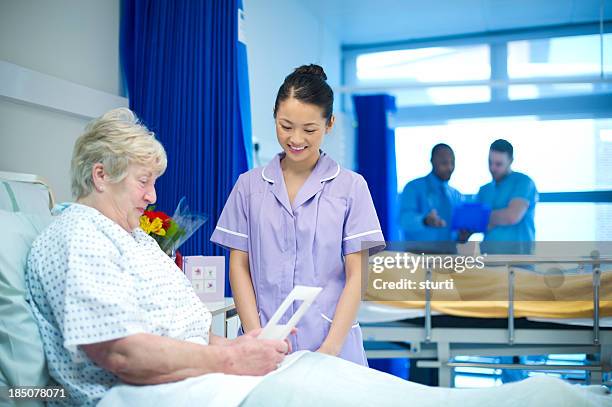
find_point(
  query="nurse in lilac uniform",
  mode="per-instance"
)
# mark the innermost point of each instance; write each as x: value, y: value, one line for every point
x: 301, y: 220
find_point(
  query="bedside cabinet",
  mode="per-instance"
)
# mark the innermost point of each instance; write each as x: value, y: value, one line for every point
x: 225, y: 321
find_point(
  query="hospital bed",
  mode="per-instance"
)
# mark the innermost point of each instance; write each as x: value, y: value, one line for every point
x: 434, y: 339
x: 25, y: 203
x: 25, y: 210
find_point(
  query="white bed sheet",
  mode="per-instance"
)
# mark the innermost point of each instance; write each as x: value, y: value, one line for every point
x: 210, y: 390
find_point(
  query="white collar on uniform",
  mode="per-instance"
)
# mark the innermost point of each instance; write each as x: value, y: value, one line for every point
x: 326, y: 167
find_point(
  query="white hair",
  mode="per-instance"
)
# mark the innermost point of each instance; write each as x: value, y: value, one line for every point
x: 116, y: 140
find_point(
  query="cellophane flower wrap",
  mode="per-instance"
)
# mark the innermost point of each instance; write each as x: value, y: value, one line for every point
x: 171, y: 232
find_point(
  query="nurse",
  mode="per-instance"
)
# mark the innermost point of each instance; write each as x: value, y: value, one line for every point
x: 512, y: 196
x: 301, y: 220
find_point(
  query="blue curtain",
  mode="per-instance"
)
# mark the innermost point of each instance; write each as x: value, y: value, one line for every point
x: 376, y: 156
x: 376, y: 162
x: 180, y: 63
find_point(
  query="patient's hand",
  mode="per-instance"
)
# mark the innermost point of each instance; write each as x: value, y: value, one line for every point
x: 254, y: 357
x: 255, y: 333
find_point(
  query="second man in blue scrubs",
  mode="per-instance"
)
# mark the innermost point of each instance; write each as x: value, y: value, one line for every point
x: 512, y: 196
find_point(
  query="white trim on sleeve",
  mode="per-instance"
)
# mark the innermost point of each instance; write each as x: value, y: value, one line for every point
x: 232, y: 232
x: 371, y: 232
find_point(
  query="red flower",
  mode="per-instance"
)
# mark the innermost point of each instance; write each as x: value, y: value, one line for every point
x: 161, y: 215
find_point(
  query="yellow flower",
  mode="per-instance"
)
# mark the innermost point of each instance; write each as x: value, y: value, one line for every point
x: 152, y: 227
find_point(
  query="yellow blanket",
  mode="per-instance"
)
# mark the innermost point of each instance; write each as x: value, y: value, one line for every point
x: 546, y: 292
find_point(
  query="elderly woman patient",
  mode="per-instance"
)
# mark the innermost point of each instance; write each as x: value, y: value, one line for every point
x: 115, y: 313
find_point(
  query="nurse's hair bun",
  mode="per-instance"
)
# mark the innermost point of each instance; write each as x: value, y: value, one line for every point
x: 308, y: 84
x: 311, y: 69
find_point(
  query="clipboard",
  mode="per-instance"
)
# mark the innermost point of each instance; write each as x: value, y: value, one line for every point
x: 472, y: 216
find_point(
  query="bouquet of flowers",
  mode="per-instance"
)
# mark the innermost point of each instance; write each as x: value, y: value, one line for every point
x: 171, y: 232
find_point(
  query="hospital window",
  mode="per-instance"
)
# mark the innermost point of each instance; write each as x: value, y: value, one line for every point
x: 565, y: 151
x: 400, y: 72
x: 559, y: 155
x: 436, y: 64
x: 576, y: 56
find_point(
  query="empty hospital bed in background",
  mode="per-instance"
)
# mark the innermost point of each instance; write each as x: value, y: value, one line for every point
x: 439, y: 334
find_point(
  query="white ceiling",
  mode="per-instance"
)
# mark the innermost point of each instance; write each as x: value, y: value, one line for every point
x: 380, y: 21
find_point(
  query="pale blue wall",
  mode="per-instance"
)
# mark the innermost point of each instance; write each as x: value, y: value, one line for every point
x: 281, y: 35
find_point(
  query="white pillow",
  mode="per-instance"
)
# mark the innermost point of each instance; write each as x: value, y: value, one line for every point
x: 22, y: 359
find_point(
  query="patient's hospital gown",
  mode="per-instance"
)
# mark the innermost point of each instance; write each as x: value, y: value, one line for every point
x: 91, y: 281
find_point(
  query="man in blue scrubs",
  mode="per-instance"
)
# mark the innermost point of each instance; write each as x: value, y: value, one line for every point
x: 427, y: 203
x: 425, y: 218
x: 512, y: 196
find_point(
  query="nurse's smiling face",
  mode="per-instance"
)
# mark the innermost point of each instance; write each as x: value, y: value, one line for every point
x: 300, y: 128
